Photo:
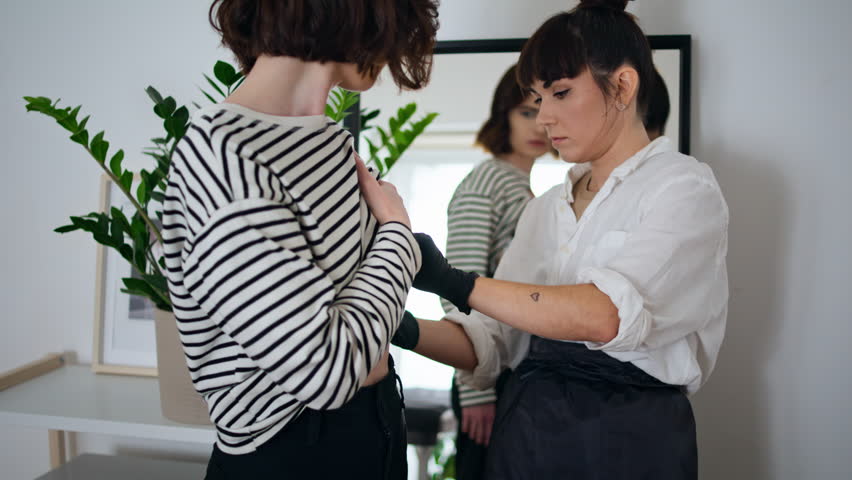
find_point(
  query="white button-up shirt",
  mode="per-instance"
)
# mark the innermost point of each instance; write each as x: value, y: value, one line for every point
x: 654, y: 239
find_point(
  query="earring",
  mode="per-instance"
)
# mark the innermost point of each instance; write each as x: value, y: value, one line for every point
x: 620, y: 106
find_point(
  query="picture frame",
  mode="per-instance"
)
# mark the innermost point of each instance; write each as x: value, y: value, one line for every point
x: 124, y: 340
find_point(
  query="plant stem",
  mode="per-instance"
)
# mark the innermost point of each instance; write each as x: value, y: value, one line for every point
x: 130, y: 197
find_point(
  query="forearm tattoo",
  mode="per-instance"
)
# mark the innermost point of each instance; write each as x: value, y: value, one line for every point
x: 535, y: 296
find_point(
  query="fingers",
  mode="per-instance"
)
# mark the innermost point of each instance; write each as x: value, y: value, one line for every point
x: 478, y: 421
x: 475, y: 430
x: 488, y: 424
x: 364, y: 176
x: 465, y: 423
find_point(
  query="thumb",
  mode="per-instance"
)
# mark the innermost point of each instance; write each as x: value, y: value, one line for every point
x: 364, y: 176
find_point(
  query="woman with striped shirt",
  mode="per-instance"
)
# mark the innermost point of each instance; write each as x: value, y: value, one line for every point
x: 285, y: 288
x: 481, y: 220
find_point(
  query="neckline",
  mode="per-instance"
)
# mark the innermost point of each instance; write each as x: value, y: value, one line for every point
x: 315, y: 121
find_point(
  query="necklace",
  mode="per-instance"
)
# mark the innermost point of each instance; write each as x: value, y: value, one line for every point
x: 589, y: 183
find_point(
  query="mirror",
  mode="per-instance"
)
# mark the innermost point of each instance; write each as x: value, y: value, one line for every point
x: 465, y: 74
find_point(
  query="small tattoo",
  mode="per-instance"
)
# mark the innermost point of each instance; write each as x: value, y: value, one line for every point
x: 535, y: 296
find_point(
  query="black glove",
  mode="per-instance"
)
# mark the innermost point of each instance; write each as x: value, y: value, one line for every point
x: 408, y: 333
x: 437, y: 276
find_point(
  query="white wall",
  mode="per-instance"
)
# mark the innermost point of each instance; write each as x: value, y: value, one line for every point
x: 771, y: 116
x: 771, y: 107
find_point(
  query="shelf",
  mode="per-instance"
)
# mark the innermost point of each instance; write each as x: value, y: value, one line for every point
x: 73, y: 398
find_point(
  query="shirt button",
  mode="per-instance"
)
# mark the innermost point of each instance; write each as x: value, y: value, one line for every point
x: 565, y: 249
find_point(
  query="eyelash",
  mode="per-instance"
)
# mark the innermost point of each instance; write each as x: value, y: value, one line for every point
x: 562, y: 93
x: 559, y: 95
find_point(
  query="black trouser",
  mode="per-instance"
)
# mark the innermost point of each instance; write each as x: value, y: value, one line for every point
x: 363, y: 439
x: 470, y: 456
x: 570, y: 412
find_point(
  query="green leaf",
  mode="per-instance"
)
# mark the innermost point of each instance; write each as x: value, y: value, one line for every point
x: 181, y: 115
x: 103, y: 224
x: 165, y: 108
x: 83, y: 123
x: 373, y: 149
x: 66, y: 229
x: 142, y: 192
x: 154, y: 94
x: 405, y: 113
x: 138, y: 286
x: 209, y: 97
x: 225, y: 73
x: 215, y: 87
x: 99, y: 147
x: 84, y: 223
x: 126, y: 180
x: 68, y: 120
x: 115, y: 163
x: 157, y: 281
x: 126, y: 252
x: 237, y: 84
x: 119, y: 218
x: 81, y: 137
x: 384, y: 136
x: 116, y: 232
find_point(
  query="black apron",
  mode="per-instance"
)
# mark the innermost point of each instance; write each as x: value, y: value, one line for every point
x: 568, y: 412
x: 365, y: 438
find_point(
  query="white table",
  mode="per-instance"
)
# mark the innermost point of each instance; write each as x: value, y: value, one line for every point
x: 72, y: 398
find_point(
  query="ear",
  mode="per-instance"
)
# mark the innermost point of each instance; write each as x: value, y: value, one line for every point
x: 626, y: 81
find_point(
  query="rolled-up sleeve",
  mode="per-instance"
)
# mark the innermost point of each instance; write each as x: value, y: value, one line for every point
x: 668, y: 279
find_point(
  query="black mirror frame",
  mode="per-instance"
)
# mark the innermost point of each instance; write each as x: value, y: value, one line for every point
x: 683, y: 43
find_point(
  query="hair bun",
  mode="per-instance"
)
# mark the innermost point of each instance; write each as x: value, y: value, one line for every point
x: 619, y: 5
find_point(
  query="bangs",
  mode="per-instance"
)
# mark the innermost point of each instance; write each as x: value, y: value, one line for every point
x: 555, y: 51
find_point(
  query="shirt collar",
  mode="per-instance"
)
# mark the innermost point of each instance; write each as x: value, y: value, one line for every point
x: 577, y: 170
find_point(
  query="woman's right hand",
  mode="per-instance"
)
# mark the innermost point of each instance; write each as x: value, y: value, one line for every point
x: 381, y: 196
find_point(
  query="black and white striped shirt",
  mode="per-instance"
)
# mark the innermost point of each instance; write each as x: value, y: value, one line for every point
x: 285, y: 289
x: 481, y: 221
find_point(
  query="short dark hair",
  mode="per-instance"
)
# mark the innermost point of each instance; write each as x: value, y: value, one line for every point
x: 494, y: 135
x: 598, y: 35
x: 369, y: 33
x: 659, y: 105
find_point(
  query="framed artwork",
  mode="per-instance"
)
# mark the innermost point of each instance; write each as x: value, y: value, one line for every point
x: 124, y: 340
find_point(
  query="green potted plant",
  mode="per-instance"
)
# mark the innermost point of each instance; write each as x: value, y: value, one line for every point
x: 136, y: 235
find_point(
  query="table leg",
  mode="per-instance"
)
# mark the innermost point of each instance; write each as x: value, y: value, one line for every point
x: 56, y: 439
x: 424, y: 452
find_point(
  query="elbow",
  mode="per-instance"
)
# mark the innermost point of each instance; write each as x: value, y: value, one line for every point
x: 469, y: 362
x: 607, y: 327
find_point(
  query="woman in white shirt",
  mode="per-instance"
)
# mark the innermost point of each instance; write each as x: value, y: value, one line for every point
x: 611, y: 301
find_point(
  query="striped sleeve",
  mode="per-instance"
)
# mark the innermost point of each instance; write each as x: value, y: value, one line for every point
x: 246, y: 271
x: 470, y: 227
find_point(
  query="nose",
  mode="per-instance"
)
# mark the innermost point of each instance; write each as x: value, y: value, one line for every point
x: 544, y: 117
